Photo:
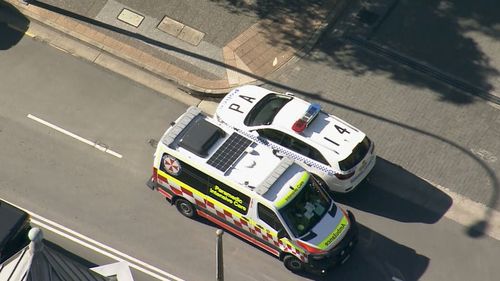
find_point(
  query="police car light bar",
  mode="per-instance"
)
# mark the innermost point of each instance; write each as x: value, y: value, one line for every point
x: 301, y: 124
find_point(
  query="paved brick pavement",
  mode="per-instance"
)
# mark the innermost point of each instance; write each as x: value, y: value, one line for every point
x: 219, y: 45
x: 430, y: 129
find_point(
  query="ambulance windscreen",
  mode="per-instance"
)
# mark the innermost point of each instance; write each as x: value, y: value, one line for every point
x: 229, y: 152
x: 200, y: 136
x: 307, y: 208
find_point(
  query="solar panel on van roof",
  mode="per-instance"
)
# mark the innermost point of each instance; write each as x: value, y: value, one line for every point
x: 229, y: 152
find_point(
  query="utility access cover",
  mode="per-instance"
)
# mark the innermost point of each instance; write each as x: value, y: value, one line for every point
x: 181, y: 31
x: 130, y: 17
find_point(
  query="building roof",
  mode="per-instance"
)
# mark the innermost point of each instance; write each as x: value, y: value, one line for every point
x: 38, y: 262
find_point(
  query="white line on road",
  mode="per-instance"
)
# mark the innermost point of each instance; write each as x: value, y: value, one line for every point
x: 132, y: 262
x: 86, y: 141
x: 98, y: 247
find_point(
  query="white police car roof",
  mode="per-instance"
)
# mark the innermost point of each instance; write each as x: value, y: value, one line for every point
x: 324, y: 133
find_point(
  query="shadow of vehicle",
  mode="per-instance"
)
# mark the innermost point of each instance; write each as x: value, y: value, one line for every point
x: 397, y: 194
x: 13, y: 24
x: 375, y: 258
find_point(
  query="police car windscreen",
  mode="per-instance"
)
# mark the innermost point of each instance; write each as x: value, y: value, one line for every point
x: 229, y: 152
x: 265, y: 110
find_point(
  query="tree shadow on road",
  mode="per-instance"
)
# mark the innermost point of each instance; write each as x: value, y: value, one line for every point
x: 9, y: 36
x: 397, y: 194
x: 447, y: 36
x: 287, y: 23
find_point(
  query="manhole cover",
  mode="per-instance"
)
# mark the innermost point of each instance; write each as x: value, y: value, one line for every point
x: 130, y: 17
x: 367, y: 17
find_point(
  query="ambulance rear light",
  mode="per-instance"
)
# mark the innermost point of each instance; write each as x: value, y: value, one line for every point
x: 301, y: 124
x: 311, y: 249
x: 344, y: 176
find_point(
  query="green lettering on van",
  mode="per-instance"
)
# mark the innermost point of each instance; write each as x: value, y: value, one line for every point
x: 334, y: 235
x: 228, y: 197
x: 293, y: 190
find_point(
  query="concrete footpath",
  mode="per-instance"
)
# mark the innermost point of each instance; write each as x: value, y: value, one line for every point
x: 203, y: 46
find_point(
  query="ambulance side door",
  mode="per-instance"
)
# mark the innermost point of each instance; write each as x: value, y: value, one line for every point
x: 268, y: 219
x: 268, y: 223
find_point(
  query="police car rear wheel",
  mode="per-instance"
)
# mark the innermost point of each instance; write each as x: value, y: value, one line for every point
x: 293, y: 264
x: 185, y: 208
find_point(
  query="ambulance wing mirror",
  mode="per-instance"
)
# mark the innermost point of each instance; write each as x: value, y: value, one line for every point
x: 282, y: 233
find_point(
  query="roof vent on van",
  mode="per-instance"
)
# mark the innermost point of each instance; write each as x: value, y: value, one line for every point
x: 248, y: 163
x: 171, y: 134
x: 249, y: 150
x: 284, y: 164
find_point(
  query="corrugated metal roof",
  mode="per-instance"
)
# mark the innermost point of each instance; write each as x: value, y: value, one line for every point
x: 38, y: 262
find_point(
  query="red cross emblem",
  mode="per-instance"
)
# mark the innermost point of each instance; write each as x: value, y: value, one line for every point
x: 171, y: 165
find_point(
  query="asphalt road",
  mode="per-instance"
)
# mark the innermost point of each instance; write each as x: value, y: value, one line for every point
x: 105, y: 197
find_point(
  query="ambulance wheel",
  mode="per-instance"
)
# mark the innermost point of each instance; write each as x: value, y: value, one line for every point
x: 185, y: 208
x: 293, y: 264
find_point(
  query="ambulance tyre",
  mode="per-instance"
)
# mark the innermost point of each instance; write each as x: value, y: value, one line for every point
x: 293, y: 264
x: 185, y: 208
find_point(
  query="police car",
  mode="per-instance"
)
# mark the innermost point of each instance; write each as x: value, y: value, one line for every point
x: 207, y: 169
x: 340, y: 154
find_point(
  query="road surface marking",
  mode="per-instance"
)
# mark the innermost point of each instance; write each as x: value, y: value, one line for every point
x: 86, y: 141
x: 98, y: 247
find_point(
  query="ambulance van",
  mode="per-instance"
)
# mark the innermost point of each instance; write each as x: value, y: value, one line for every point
x: 207, y: 169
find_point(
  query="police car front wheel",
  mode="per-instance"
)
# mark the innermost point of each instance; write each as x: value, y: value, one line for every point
x: 293, y: 264
x: 185, y: 208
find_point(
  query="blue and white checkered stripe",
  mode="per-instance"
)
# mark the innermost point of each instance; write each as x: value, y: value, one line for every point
x: 290, y: 153
x: 228, y: 97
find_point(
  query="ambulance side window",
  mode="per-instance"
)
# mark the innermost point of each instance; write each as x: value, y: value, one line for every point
x: 269, y: 217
